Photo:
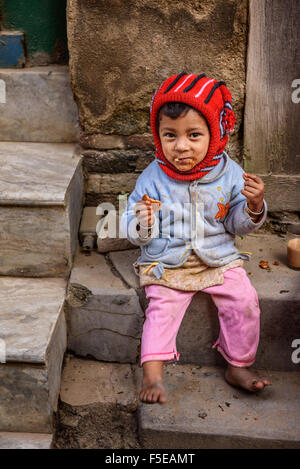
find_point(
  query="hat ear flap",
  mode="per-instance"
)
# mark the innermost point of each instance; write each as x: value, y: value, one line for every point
x: 227, y: 115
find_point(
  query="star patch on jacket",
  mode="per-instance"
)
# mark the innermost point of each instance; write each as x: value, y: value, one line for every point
x: 223, y: 209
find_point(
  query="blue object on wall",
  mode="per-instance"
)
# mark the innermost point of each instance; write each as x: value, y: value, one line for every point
x: 12, y: 49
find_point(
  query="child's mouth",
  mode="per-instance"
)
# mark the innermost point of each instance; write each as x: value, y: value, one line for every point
x: 183, y: 160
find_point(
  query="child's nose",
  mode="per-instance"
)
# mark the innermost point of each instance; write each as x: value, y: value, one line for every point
x: 181, y: 144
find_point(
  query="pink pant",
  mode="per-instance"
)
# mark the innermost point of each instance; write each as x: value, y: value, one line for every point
x: 239, y: 317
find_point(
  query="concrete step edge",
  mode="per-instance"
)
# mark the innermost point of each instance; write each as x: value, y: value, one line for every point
x: 25, y: 113
x: 18, y: 440
x: 22, y: 356
x: 204, y: 411
x: 56, y: 153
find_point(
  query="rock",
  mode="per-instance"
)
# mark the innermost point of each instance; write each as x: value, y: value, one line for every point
x: 116, y: 161
x: 111, y: 183
x: 110, y: 142
x: 107, y: 187
x: 102, y: 141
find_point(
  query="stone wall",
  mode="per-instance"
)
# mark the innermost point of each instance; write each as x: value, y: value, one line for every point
x: 120, y: 52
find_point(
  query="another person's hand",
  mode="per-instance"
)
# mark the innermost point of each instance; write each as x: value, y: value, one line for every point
x: 253, y: 191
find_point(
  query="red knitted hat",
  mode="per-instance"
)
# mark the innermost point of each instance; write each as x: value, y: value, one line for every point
x: 213, y: 100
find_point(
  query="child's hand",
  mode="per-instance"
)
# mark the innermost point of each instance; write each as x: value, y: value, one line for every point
x: 254, y: 191
x: 144, y: 213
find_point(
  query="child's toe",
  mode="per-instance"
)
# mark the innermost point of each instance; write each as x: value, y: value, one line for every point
x: 257, y: 385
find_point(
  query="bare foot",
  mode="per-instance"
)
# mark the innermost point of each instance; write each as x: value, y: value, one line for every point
x: 153, y: 390
x: 245, y: 379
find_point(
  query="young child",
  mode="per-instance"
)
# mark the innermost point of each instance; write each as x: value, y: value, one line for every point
x: 201, y: 199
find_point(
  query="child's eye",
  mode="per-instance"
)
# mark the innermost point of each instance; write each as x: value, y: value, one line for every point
x: 195, y: 134
x: 169, y: 135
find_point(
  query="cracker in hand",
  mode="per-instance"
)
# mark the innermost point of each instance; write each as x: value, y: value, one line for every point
x: 156, y: 204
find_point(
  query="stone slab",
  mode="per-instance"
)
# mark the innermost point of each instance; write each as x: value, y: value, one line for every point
x: 35, y: 338
x: 111, y: 142
x: 97, y: 406
x: 106, y: 245
x: 123, y: 262
x: 102, y: 141
x: 39, y: 105
x: 36, y: 173
x: 279, y: 299
x: 74, y: 203
x: 102, y: 184
x: 94, y: 273
x: 10, y: 440
x: 204, y: 411
x: 108, y: 383
x: 117, y: 161
x: 25, y: 255
x: 104, y: 315
x: 30, y: 309
x: 24, y: 401
x: 103, y: 188
x: 30, y: 247
x: 42, y: 187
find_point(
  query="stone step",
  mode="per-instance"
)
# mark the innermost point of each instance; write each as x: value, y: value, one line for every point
x: 33, y: 340
x: 10, y: 440
x: 104, y: 316
x: 97, y: 406
x: 204, y: 411
x: 41, y: 203
x: 279, y: 299
x: 37, y: 105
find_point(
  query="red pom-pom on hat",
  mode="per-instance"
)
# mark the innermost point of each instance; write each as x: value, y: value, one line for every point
x: 228, y: 120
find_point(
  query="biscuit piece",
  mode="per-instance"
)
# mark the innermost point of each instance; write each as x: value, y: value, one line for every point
x: 146, y: 198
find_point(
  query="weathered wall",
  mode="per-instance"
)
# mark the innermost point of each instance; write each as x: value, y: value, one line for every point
x: 120, y: 52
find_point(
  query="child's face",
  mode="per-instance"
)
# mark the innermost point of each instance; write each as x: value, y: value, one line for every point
x: 184, y: 140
